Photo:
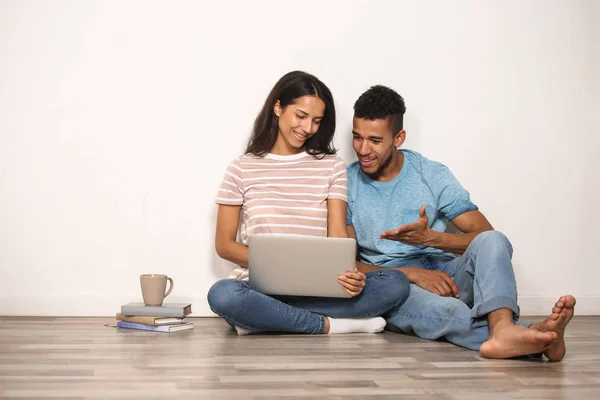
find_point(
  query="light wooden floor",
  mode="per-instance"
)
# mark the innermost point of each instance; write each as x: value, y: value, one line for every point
x: 70, y: 358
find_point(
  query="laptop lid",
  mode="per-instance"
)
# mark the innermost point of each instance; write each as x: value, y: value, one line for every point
x: 299, y: 265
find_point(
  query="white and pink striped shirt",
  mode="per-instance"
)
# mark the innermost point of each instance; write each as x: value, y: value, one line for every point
x: 284, y: 194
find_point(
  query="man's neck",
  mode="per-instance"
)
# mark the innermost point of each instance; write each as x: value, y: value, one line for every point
x: 392, y: 169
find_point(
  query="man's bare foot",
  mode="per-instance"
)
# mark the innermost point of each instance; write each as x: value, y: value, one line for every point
x: 557, y: 322
x: 515, y: 340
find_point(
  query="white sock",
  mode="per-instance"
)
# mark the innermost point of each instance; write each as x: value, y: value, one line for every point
x: 352, y: 325
x: 340, y: 325
x: 244, y: 332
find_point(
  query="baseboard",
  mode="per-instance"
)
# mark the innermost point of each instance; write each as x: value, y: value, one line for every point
x: 98, y: 306
x: 534, y: 305
x: 83, y: 305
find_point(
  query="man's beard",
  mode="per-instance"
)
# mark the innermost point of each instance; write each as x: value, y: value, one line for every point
x: 381, y: 167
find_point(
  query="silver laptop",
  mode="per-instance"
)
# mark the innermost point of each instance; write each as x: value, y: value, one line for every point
x: 299, y: 265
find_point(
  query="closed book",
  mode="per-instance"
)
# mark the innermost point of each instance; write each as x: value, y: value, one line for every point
x: 175, y: 310
x: 163, y: 328
x: 148, y: 320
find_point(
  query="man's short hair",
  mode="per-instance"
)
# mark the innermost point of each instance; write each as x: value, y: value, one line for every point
x: 381, y: 102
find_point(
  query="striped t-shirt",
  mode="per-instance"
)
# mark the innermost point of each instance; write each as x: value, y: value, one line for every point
x: 284, y: 194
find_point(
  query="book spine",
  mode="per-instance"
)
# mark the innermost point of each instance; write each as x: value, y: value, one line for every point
x: 138, y: 319
x: 152, y: 312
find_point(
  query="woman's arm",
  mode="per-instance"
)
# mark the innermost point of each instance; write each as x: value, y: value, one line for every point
x: 336, y: 218
x: 353, y: 281
x: 228, y: 218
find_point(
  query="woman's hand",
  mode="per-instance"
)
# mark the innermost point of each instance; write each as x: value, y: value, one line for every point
x: 353, y: 282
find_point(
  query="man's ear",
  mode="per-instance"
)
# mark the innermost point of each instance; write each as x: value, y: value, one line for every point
x: 400, y: 138
x: 277, y: 108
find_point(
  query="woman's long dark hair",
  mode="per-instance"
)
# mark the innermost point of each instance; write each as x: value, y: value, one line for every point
x: 290, y: 87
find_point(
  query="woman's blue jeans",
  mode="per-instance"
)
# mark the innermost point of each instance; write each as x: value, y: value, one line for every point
x: 246, y: 308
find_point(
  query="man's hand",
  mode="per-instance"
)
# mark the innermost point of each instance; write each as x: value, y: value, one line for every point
x: 353, y: 282
x: 416, y: 233
x: 437, y: 282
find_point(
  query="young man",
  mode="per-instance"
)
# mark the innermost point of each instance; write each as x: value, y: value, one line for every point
x: 463, y: 286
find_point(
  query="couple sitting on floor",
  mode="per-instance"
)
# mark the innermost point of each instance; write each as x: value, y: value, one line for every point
x: 410, y: 275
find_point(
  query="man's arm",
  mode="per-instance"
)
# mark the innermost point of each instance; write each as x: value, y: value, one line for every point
x: 471, y: 223
x: 436, y: 282
x: 419, y: 233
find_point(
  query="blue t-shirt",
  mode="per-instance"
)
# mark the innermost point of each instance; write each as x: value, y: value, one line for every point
x: 374, y: 207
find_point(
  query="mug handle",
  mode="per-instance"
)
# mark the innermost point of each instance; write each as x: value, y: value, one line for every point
x: 170, y: 287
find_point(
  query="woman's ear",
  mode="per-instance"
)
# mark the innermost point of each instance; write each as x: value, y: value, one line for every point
x: 277, y: 108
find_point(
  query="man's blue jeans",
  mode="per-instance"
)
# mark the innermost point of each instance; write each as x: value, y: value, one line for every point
x: 246, y: 308
x: 486, y: 282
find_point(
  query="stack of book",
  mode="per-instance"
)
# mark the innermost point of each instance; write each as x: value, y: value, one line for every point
x: 170, y: 317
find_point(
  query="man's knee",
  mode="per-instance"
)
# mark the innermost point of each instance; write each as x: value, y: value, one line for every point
x: 222, y: 296
x: 494, y: 240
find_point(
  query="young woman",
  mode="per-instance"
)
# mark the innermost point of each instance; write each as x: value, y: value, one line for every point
x: 290, y: 181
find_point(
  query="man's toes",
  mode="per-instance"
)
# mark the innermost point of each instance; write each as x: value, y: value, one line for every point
x: 559, y: 304
x: 566, y: 302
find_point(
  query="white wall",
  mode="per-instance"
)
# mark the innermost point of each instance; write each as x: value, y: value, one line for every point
x: 118, y: 119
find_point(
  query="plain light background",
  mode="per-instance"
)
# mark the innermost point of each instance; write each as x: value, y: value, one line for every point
x: 118, y: 119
